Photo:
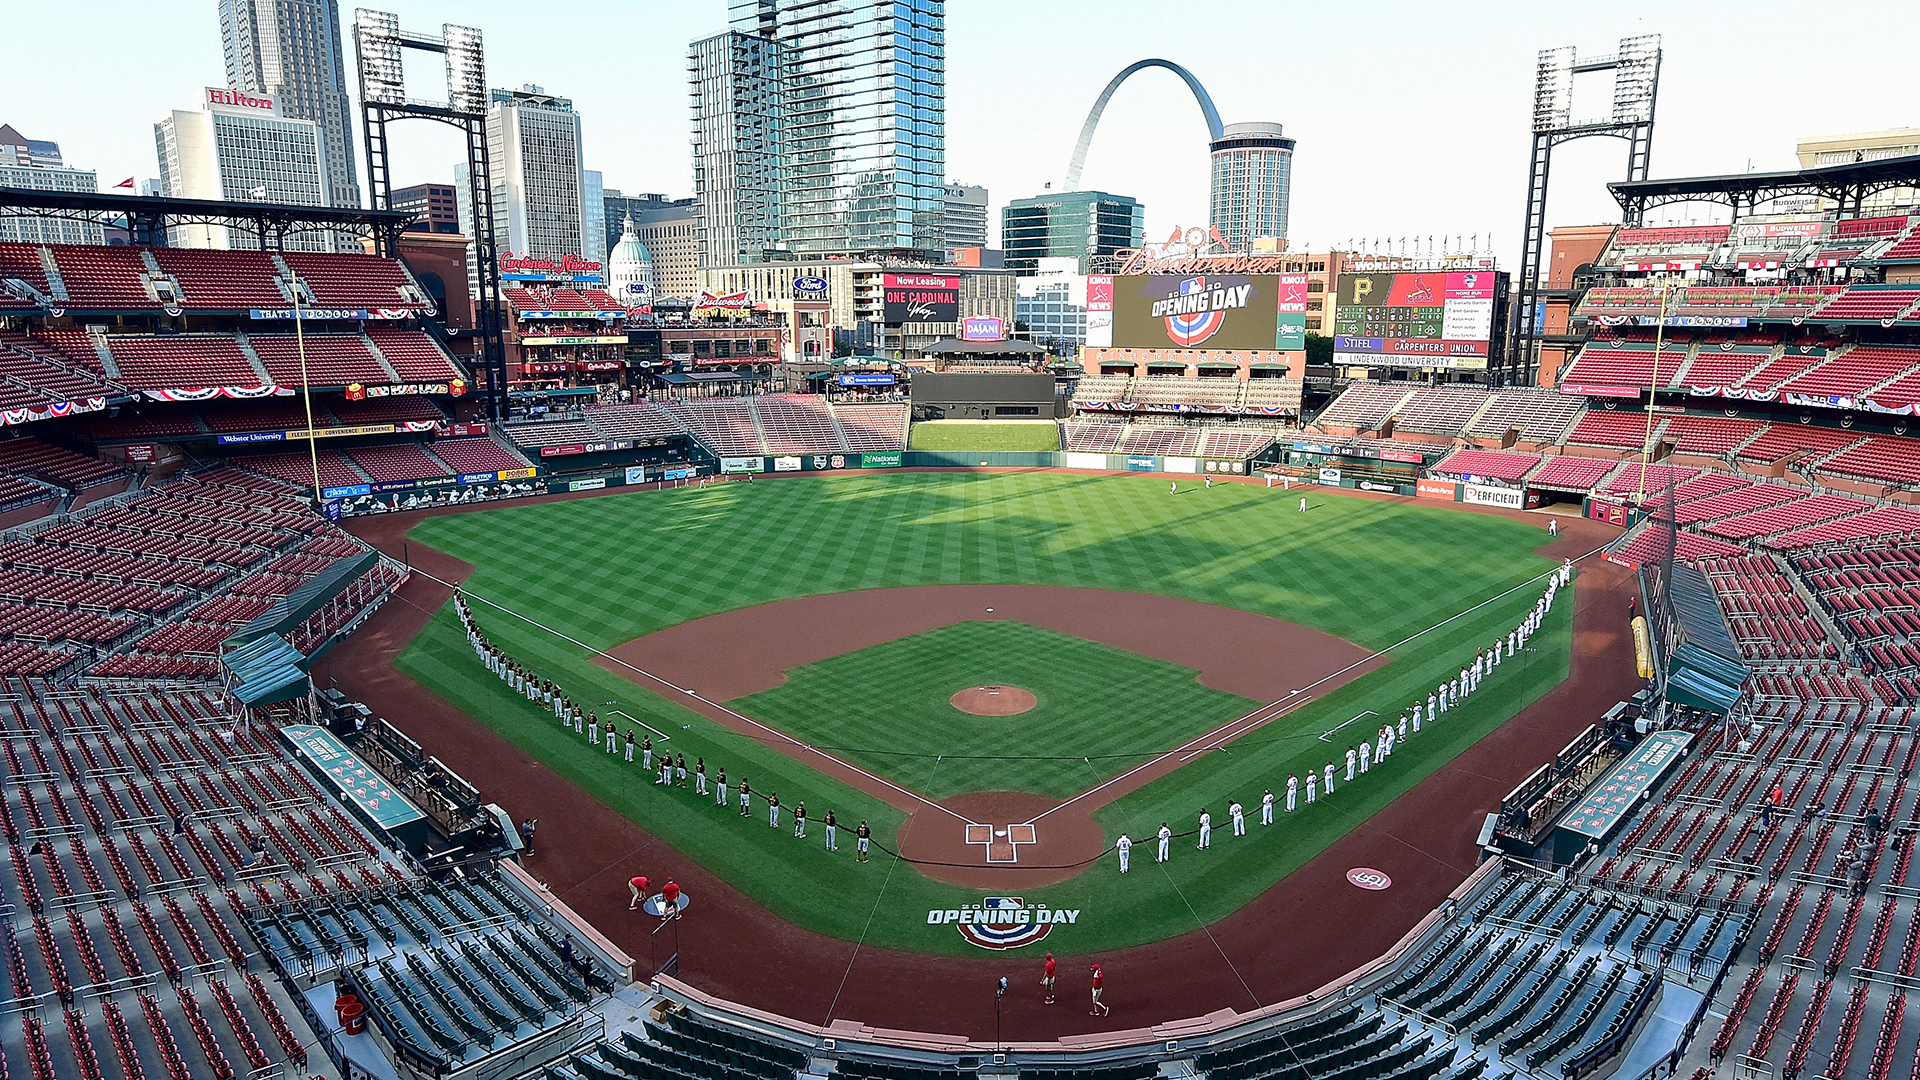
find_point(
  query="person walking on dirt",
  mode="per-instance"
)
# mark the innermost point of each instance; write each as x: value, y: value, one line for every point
x: 1099, y: 983
x: 1047, y: 980
x: 526, y: 832
x: 861, y: 835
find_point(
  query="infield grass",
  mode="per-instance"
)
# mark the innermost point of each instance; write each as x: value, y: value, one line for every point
x: 984, y: 435
x: 609, y: 569
x: 1100, y: 710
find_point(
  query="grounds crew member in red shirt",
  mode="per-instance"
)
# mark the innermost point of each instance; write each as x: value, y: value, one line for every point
x: 637, y: 890
x: 1046, y: 980
x: 669, y: 900
x: 1099, y: 983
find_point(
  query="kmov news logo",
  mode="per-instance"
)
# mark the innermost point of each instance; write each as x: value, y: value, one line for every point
x: 1003, y: 922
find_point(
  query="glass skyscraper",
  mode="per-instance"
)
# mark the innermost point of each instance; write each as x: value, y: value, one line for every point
x: 1076, y: 225
x: 289, y: 51
x: 1252, y: 175
x: 861, y: 109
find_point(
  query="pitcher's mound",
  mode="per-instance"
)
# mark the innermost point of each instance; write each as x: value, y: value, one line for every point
x: 994, y: 700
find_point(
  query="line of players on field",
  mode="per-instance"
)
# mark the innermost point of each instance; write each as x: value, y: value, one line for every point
x: 1363, y: 757
x: 672, y: 768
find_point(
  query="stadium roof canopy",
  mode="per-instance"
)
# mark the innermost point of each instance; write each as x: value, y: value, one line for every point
x: 146, y: 217
x: 1849, y: 185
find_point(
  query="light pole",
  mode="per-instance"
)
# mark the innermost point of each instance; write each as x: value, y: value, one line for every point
x: 1653, y: 384
x: 306, y: 389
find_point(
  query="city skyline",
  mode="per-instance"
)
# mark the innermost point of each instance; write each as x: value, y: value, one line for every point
x: 1447, y: 94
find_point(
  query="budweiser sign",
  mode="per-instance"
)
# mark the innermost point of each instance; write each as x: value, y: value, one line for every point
x: 566, y: 264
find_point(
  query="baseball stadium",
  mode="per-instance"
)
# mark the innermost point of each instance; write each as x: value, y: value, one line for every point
x: 373, y: 706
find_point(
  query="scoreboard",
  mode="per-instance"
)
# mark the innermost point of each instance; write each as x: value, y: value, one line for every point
x: 1418, y: 319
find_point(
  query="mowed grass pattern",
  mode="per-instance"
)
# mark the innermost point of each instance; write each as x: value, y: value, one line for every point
x: 984, y: 435
x: 608, y: 569
x: 888, y: 709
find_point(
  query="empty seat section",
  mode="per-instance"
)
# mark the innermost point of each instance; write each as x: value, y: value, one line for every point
x: 414, y: 355
x: 476, y: 455
x: 227, y: 280
x: 331, y: 360
x: 181, y: 362
x: 396, y: 462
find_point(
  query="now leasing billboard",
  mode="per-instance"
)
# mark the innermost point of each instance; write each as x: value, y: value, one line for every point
x: 1418, y: 319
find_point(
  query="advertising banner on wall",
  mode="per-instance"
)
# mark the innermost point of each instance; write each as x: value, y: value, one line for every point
x: 1100, y: 311
x: 743, y: 464
x: 920, y: 298
x: 1487, y: 495
x: 1211, y: 311
x: 1415, y: 319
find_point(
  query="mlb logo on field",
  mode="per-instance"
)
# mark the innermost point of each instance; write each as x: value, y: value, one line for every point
x: 1000, y: 922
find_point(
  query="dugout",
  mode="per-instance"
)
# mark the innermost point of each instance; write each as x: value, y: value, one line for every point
x: 965, y: 395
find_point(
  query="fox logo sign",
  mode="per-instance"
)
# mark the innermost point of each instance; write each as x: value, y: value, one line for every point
x: 1003, y: 922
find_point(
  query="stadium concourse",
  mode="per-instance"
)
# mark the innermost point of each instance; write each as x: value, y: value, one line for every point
x: 187, y: 893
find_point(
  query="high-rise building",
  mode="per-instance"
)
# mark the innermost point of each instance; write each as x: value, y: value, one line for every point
x: 435, y: 205
x: 593, y: 216
x: 736, y: 83
x: 533, y: 142
x: 671, y: 232
x: 1050, y: 307
x: 1252, y: 173
x: 617, y: 206
x: 36, y: 165
x: 966, y: 216
x: 238, y: 147
x: 1823, y: 150
x: 1080, y: 225
x: 850, y: 98
x: 289, y: 52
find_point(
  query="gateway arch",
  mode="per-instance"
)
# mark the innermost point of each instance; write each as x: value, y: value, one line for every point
x: 1212, y: 115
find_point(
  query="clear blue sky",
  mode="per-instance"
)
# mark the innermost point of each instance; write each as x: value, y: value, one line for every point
x: 1412, y: 117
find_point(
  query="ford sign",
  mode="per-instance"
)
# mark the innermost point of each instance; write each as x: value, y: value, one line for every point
x: 810, y: 286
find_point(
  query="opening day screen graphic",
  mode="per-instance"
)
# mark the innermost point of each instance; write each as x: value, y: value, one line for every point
x: 1426, y: 319
x: 1209, y: 311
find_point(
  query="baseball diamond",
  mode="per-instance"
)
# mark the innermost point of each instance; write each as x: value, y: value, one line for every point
x: 575, y: 582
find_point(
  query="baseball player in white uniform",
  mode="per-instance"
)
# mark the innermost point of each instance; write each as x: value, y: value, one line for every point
x: 1366, y: 755
x: 1293, y: 792
x: 1124, y: 846
x: 1353, y: 760
x: 1239, y: 819
x: 1313, y: 787
x: 1166, y: 843
x: 1206, y: 830
x: 1266, y: 808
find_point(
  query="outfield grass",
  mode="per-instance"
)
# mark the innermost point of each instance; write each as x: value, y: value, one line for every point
x: 1100, y: 710
x: 984, y: 435
x: 609, y: 569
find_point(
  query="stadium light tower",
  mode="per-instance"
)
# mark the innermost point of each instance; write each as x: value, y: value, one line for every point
x: 380, y: 43
x: 1636, y: 81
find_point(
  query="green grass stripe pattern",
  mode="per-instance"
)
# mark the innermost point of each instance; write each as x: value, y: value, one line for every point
x: 606, y: 570
x: 1028, y: 435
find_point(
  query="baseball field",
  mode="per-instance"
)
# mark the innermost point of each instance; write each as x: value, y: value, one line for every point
x: 1186, y: 603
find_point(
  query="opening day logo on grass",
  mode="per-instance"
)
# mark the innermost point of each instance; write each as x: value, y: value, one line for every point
x: 1003, y: 922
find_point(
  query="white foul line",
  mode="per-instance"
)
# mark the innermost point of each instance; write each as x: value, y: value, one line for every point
x: 1288, y: 703
x: 783, y: 736
x: 664, y: 737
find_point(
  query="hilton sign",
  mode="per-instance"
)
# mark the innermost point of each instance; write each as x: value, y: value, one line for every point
x: 237, y: 99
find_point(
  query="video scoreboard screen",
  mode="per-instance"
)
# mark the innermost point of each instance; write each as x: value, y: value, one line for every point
x: 1420, y: 319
